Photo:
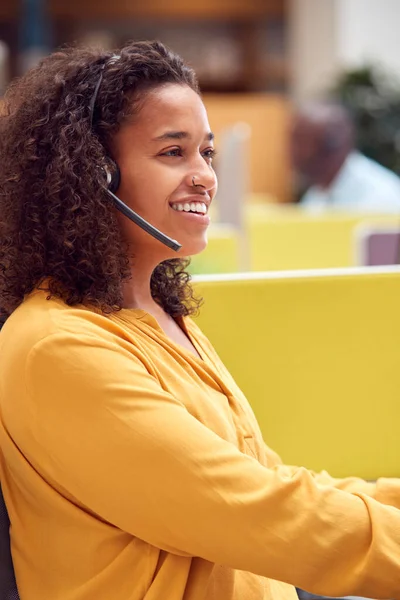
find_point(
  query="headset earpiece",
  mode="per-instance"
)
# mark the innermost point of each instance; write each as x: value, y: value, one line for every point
x: 113, y: 176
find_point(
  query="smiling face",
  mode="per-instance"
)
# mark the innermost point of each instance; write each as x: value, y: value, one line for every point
x: 159, y: 152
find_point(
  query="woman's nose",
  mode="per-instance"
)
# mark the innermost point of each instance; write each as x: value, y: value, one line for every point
x: 204, y: 176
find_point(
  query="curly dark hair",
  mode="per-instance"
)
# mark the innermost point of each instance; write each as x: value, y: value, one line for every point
x: 57, y: 226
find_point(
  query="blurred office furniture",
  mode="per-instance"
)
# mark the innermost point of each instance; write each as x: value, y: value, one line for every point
x: 232, y: 168
x: 9, y: 10
x: 317, y: 355
x: 286, y: 237
x: 235, y: 46
x: 98, y: 38
x: 222, y: 254
x: 4, y: 66
x: 268, y: 117
x: 377, y: 245
x: 238, y: 49
x: 35, y: 33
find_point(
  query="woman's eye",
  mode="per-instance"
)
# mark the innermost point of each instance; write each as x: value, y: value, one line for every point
x: 173, y: 152
x: 209, y: 153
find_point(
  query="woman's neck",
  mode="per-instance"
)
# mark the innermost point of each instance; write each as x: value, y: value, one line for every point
x: 136, y: 292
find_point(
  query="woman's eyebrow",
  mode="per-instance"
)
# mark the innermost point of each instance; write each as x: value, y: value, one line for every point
x: 179, y: 135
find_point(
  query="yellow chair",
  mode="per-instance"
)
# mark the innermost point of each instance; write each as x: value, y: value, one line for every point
x: 222, y: 254
x: 318, y: 356
x: 286, y: 237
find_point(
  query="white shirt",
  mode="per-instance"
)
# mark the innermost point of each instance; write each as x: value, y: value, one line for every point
x: 361, y: 185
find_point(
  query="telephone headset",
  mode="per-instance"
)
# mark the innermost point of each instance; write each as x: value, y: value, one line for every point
x: 113, y: 177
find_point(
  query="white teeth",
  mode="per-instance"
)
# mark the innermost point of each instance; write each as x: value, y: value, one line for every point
x: 196, y: 207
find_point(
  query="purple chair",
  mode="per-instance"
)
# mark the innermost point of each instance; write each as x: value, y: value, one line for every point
x: 377, y: 245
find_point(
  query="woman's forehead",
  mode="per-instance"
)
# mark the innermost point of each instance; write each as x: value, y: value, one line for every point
x: 173, y: 107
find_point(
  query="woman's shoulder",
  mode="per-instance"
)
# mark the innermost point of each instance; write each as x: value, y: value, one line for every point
x: 40, y: 317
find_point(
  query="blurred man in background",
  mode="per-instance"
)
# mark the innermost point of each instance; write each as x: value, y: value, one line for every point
x: 336, y: 175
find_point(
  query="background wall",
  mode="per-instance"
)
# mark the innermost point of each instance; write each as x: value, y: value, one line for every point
x: 311, y: 45
x: 329, y: 36
x: 368, y: 31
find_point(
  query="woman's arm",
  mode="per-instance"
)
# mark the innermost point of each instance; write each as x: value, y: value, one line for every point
x: 385, y: 490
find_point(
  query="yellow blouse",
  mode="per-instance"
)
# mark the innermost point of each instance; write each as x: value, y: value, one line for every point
x: 135, y: 470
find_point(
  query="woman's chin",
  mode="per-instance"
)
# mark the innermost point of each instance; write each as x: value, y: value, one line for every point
x: 193, y: 247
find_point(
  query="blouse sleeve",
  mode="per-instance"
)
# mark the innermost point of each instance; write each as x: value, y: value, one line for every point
x: 385, y: 489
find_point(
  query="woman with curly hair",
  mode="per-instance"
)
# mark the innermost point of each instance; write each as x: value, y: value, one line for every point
x: 131, y: 464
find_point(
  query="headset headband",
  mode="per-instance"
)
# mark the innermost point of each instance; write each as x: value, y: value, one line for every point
x: 92, y: 103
